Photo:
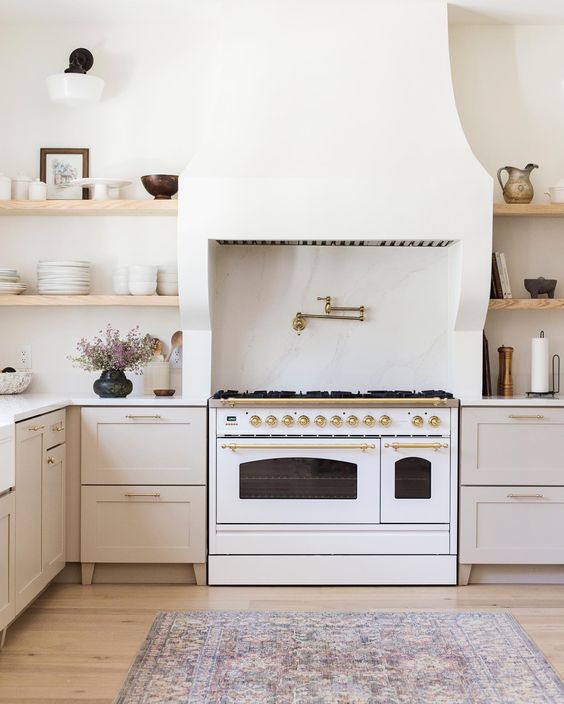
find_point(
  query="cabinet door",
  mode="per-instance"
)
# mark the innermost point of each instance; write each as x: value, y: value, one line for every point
x: 29, y: 469
x: 54, y: 428
x: 7, y: 559
x: 53, y: 515
x: 516, y: 525
x: 512, y: 446
x: 143, y: 524
x: 153, y: 445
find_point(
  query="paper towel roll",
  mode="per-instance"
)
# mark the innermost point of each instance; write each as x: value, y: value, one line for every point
x: 539, y: 365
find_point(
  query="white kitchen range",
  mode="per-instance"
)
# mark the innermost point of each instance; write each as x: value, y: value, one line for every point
x: 333, y: 487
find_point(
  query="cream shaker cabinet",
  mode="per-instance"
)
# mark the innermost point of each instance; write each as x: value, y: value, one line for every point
x: 40, y: 504
x: 7, y: 562
x: 512, y: 493
x: 143, y: 487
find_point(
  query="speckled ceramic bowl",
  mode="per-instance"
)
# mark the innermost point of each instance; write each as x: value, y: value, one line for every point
x: 14, y: 382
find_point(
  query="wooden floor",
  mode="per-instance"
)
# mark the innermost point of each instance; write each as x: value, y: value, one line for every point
x: 76, y: 643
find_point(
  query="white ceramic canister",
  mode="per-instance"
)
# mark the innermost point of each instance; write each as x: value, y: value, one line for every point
x: 156, y: 375
x: 37, y: 190
x: 20, y: 187
x: 5, y: 187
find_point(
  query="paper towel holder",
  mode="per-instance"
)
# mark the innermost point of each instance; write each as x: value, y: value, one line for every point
x: 555, y: 378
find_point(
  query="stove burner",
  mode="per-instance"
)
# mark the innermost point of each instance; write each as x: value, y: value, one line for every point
x: 294, y: 395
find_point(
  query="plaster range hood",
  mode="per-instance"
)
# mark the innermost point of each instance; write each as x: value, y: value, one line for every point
x: 335, y: 123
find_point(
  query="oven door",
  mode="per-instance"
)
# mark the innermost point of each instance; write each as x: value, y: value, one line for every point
x: 415, y: 481
x: 298, y: 480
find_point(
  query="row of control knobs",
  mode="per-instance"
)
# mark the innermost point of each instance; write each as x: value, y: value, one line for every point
x: 337, y: 421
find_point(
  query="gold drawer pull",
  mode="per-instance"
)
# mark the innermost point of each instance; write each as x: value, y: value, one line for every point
x: 58, y: 428
x: 419, y: 445
x: 35, y: 428
x: 50, y: 460
x: 535, y: 417
x: 297, y: 446
x: 155, y: 417
x: 525, y: 496
x: 155, y: 494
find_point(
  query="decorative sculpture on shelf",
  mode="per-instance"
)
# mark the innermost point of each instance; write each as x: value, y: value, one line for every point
x: 540, y: 286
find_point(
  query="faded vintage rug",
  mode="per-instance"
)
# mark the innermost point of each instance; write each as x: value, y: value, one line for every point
x: 339, y: 658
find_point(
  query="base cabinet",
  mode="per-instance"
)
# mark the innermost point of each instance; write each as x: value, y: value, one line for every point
x: 7, y: 562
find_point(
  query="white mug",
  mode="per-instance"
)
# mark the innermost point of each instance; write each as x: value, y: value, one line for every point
x: 37, y: 190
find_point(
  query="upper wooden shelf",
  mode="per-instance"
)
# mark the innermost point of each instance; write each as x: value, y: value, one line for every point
x: 525, y: 303
x: 91, y: 300
x: 88, y: 207
x: 543, y: 210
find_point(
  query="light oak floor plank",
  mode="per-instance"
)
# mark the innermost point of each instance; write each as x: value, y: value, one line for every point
x: 76, y: 643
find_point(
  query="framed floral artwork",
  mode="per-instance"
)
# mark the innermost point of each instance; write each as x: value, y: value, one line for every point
x: 58, y: 167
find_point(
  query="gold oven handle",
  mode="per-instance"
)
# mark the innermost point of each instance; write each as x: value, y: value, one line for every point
x: 418, y: 445
x: 295, y: 446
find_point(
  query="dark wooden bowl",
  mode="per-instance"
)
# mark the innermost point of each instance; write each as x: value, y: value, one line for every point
x: 162, y: 186
x: 164, y: 392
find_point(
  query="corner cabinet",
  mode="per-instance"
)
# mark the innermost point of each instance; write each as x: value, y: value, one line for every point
x: 512, y: 493
x: 40, y: 504
x: 143, y: 487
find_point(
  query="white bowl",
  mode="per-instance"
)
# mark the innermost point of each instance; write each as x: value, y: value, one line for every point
x: 142, y: 288
x: 14, y: 382
x: 167, y: 289
x: 121, y: 271
x: 168, y: 269
x: 137, y: 269
x: 121, y: 288
x: 556, y: 194
x: 167, y: 277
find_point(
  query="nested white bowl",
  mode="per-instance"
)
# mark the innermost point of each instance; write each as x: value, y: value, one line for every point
x: 142, y: 288
x: 139, y: 269
x: 167, y: 289
x: 14, y: 382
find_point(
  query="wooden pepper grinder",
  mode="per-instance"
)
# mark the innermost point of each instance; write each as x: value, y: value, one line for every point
x: 505, y: 380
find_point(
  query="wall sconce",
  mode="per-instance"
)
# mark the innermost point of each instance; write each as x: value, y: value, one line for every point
x: 74, y: 87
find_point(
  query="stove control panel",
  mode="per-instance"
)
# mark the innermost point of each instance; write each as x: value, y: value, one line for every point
x: 334, y: 421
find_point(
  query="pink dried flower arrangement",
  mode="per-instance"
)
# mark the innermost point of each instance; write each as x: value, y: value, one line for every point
x: 108, y: 351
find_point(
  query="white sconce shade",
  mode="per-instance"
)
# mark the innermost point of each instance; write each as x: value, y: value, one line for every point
x: 74, y: 87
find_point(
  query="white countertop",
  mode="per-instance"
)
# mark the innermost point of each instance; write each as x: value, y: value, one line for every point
x: 545, y: 402
x: 18, y: 407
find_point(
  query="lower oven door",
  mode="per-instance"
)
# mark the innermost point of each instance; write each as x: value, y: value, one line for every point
x: 298, y: 481
x: 415, y: 481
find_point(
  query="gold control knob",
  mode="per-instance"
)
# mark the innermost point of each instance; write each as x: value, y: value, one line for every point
x: 417, y: 421
x: 320, y: 421
x: 370, y: 421
x: 287, y: 421
x: 337, y: 421
x: 434, y: 421
x: 352, y: 420
x: 271, y: 421
x: 255, y: 421
x: 385, y: 421
x: 303, y: 420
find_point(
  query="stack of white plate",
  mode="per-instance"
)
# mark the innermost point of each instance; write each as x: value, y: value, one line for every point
x: 10, y: 283
x: 63, y: 278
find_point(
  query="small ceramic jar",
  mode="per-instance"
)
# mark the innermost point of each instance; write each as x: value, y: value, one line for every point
x: 5, y: 187
x: 20, y: 187
x: 37, y: 190
x: 156, y: 375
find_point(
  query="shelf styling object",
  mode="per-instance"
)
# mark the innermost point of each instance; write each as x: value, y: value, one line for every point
x: 112, y: 355
x: 15, y: 382
x: 161, y: 186
x: 518, y: 187
x: 540, y: 286
x: 505, y: 380
x: 102, y: 188
x: 555, y: 364
x: 75, y: 87
x: 539, y: 364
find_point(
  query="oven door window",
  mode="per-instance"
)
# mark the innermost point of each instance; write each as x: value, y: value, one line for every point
x: 412, y: 478
x: 298, y: 478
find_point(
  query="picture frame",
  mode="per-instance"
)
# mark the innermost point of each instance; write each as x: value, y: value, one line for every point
x: 60, y: 165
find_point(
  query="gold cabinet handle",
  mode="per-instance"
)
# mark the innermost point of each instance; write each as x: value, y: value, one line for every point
x: 155, y: 417
x: 35, y: 428
x: 50, y: 460
x: 532, y: 417
x: 525, y: 496
x: 295, y: 446
x: 155, y: 494
x: 58, y: 428
x: 417, y: 445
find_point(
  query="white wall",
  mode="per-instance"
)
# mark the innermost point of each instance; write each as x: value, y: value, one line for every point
x: 509, y: 87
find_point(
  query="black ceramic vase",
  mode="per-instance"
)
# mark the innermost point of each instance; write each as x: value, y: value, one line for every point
x: 113, y: 384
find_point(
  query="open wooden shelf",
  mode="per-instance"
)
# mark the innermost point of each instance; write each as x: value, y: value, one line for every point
x: 88, y: 207
x: 525, y: 303
x: 91, y: 300
x: 546, y: 210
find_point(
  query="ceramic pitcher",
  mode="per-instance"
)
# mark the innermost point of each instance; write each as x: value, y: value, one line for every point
x: 518, y: 187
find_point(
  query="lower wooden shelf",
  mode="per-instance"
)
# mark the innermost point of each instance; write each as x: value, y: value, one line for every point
x: 525, y: 303
x: 91, y: 300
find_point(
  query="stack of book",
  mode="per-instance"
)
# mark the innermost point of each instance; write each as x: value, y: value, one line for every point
x: 500, y: 287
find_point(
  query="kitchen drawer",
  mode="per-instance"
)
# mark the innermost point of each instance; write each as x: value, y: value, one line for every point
x: 143, y: 445
x: 512, y: 525
x: 512, y: 446
x: 50, y: 425
x: 143, y: 524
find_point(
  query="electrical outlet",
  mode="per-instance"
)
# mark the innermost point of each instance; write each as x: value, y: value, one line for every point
x: 23, y: 356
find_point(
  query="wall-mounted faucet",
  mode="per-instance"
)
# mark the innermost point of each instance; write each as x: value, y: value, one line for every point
x: 299, y: 321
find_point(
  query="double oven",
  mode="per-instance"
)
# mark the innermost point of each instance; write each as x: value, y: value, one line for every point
x: 365, y: 489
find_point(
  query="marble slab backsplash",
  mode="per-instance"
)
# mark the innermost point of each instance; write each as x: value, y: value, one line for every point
x: 258, y: 289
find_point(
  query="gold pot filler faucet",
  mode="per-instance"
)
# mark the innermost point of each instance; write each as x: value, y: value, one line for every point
x: 299, y: 321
